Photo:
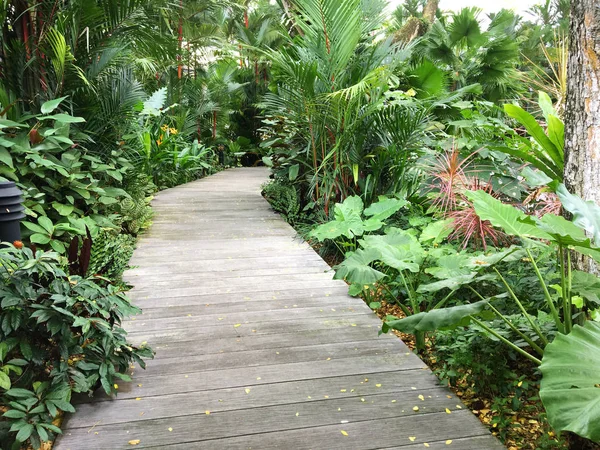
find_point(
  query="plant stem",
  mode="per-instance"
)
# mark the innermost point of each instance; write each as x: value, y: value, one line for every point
x: 402, y: 307
x: 506, y: 341
x: 568, y: 314
x: 527, y: 339
x: 522, y: 308
x: 549, y: 301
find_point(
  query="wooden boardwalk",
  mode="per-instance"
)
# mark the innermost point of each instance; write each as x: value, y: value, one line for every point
x: 257, y: 347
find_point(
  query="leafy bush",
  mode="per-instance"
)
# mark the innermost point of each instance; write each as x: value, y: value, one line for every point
x: 135, y: 209
x: 65, y: 188
x: 110, y: 254
x: 59, y: 334
x: 284, y: 199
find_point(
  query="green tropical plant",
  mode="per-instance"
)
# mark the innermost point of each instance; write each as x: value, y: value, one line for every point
x: 63, y: 334
x: 327, y: 82
x: 66, y: 189
x: 569, y: 388
x: 546, y: 151
x: 468, y: 55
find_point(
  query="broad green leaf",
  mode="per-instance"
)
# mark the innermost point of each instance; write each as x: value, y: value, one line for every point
x: 449, y: 283
x: 384, y: 208
x: 5, y: 157
x: 20, y: 393
x: 536, y: 178
x: 451, y: 266
x: 569, y: 388
x: 63, y: 118
x: 397, y: 248
x: 546, y: 106
x: 4, y: 381
x: 47, y: 224
x: 556, y: 133
x: 34, y: 227
x: 436, y: 319
x: 51, y: 105
x: 63, y: 210
x: 348, y: 221
x: 356, y: 268
x: 537, y: 132
x: 562, y: 230
x: 587, y: 285
x: 436, y: 232
x: 293, y: 172
x: 503, y: 216
x: 5, y: 123
x: 38, y: 238
x: 586, y: 214
x: 24, y: 433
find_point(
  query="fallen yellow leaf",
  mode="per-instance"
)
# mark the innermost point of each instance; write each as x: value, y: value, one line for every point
x: 342, y: 390
x: 448, y: 411
x: 247, y: 391
x: 378, y: 385
x: 344, y: 433
x: 170, y: 429
x: 297, y: 414
x: 415, y: 408
x: 412, y: 438
x: 207, y: 413
x: 138, y: 398
x: 421, y: 398
x: 237, y: 325
x: 426, y: 444
x: 134, y: 442
x: 449, y: 441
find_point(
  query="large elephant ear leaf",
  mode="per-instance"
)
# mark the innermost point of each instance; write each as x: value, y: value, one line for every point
x: 586, y: 214
x: 356, y: 267
x: 570, y: 387
x: 506, y: 217
x: 384, y: 208
x: 435, y: 319
x: 347, y: 222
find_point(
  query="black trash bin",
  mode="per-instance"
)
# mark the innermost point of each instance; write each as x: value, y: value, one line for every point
x: 11, y: 212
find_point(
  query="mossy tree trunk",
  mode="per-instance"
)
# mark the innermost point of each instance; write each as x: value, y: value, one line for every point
x: 418, y: 26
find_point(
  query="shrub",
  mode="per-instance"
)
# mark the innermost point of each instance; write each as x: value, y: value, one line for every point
x: 284, y: 199
x: 59, y: 334
x: 65, y: 187
x: 110, y: 254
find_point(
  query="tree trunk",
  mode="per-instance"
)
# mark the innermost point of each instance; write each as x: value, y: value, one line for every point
x: 582, y: 112
x: 417, y: 26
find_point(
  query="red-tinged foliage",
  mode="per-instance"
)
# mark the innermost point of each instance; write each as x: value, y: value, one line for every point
x: 449, y: 178
x: 468, y: 227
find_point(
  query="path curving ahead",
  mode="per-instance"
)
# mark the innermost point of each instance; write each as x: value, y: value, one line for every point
x: 257, y: 347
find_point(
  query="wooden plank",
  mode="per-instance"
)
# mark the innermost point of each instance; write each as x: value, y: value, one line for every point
x: 192, y: 345
x: 207, y: 380
x: 407, y: 385
x: 323, y: 418
x: 248, y: 324
x: 371, y: 433
x: 169, y: 363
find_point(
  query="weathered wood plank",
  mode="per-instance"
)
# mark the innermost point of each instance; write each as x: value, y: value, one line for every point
x: 249, y: 326
x: 407, y: 385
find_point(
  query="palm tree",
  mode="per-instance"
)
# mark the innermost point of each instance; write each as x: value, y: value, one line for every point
x: 329, y: 79
x: 470, y: 55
